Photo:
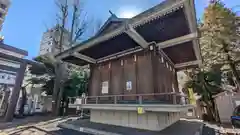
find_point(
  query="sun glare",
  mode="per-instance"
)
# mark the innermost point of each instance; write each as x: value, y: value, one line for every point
x: 128, y: 14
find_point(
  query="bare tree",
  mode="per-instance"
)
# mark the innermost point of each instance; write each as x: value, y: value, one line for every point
x: 79, y: 23
x: 61, y: 20
x: 77, y: 29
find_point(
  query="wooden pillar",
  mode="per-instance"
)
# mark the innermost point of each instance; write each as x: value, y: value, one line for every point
x: 89, y: 87
x: 154, y: 62
x: 15, y: 92
x: 110, y: 89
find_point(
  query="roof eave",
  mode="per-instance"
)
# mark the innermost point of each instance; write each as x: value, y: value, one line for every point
x: 151, y: 14
x: 13, y: 49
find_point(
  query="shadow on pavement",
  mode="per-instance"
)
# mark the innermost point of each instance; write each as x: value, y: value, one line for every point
x: 31, y: 130
x: 66, y: 132
x: 25, y: 121
x: 183, y: 127
x: 34, y: 130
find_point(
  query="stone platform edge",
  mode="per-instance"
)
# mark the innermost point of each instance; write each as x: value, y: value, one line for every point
x: 85, y: 130
x: 133, y: 107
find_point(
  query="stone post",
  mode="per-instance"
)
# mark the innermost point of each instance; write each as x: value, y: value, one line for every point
x: 15, y: 93
x: 4, y: 102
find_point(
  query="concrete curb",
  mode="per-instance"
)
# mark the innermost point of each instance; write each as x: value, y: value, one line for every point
x: 85, y: 130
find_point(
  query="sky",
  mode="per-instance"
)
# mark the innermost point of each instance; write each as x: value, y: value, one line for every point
x: 28, y: 19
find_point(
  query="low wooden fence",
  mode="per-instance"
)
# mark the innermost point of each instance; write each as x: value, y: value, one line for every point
x: 152, y: 98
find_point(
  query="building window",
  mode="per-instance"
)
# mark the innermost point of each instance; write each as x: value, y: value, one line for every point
x: 9, y: 78
x: 3, y: 6
x: 3, y: 76
x: 47, y: 50
x: 1, y: 15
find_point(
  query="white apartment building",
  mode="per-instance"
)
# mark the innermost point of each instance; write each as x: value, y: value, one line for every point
x: 4, y: 5
x: 50, y: 39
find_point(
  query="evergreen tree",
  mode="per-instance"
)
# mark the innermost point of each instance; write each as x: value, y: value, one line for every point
x: 220, y: 38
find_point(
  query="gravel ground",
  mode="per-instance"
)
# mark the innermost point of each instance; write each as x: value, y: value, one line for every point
x: 220, y: 129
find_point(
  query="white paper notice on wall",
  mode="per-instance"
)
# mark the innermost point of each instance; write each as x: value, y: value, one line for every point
x: 105, y: 87
x: 129, y: 85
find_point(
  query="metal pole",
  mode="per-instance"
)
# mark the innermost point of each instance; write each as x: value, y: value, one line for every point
x: 96, y: 100
x: 140, y: 99
x: 174, y: 99
x: 115, y: 99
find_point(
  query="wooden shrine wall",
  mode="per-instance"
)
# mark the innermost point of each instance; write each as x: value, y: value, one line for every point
x: 139, y: 73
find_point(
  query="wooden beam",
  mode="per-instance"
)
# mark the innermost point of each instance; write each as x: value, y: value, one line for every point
x: 8, y: 72
x: 132, y: 33
x: 165, y: 56
x: 95, y: 40
x: 84, y: 57
x: 197, y: 50
x: 10, y: 63
x: 90, y: 42
x: 9, y: 68
x: 119, y: 54
x: 77, y: 55
x: 159, y: 10
x: 179, y: 40
x: 11, y: 57
x: 190, y: 14
x: 188, y: 9
x: 186, y: 64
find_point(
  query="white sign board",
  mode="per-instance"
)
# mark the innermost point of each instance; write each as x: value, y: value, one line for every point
x: 129, y: 85
x: 105, y: 87
x: 237, y: 103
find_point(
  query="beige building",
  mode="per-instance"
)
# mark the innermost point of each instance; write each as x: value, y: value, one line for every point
x: 50, y: 39
x: 4, y: 5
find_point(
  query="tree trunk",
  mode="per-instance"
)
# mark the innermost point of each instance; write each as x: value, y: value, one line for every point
x: 55, y: 105
x: 232, y: 66
x: 210, y: 106
x: 73, y: 23
x: 67, y: 105
x: 214, y: 113
x: 235, y: 74
x: 60, y: 93
x: 56, y: 89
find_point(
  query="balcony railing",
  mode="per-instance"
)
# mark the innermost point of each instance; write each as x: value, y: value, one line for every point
x: 153, y: 98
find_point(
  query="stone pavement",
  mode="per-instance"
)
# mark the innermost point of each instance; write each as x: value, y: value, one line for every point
x: 36, y: 125
x: 183, y: 127
x: 45, y: 125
